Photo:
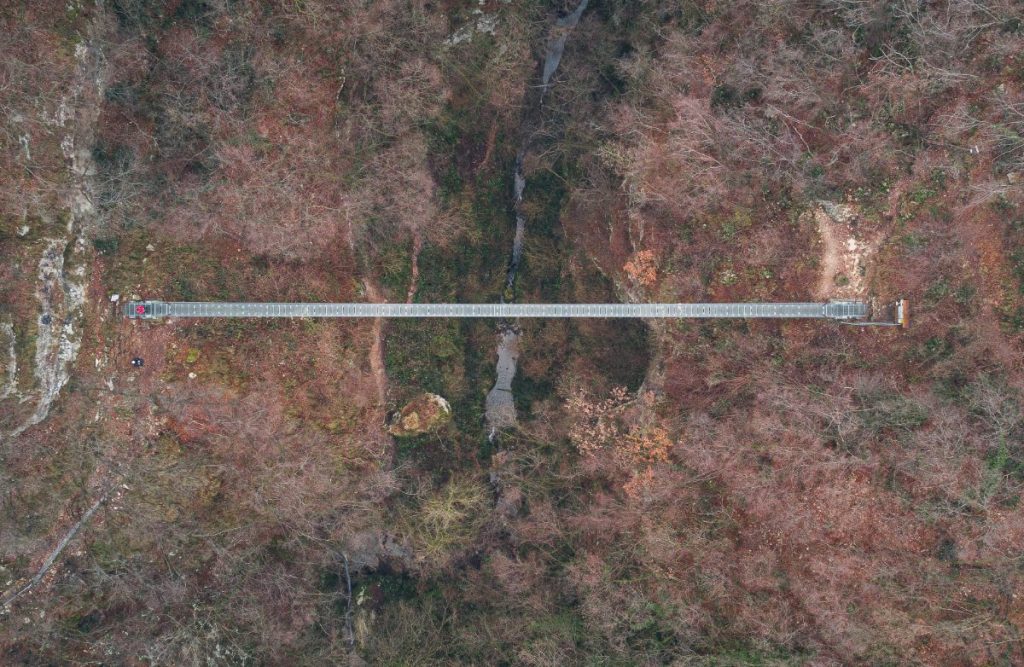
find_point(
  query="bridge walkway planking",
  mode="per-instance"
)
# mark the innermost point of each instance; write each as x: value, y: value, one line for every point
x: 836, y: 310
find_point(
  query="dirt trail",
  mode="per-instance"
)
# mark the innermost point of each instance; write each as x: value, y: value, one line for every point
x: 414, y: 279
x: 982, y: 235
x: 844, y: 256
x: 380, y: 376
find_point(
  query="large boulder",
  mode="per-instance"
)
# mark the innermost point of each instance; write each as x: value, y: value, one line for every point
x: 424, y: 414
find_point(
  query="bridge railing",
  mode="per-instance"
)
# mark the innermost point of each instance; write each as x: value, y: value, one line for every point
x: 835, y: 310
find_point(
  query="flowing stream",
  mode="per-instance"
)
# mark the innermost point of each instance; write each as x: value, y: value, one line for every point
x: 500, y: 409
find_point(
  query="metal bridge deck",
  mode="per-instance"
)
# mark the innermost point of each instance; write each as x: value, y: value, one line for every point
x: 837, y: 310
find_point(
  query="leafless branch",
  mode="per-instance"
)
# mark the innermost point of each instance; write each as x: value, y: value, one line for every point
x: 55, y: 554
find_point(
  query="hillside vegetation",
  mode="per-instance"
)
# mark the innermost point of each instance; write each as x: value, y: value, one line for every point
x: 685, y: 493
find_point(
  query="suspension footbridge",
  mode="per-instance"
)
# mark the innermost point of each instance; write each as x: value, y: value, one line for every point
x: 846, y: 311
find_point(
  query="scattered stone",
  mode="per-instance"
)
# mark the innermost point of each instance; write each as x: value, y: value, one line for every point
x: 499, y: 406
x: 366, y: 549
x: 843, y: 214
x: 424, y: 414
x: 192, y: 376
x: 484, y: 23
x: 149, y: 247
x: 23, y: 231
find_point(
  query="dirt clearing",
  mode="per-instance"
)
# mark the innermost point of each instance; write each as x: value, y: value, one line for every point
x: 845, y: 255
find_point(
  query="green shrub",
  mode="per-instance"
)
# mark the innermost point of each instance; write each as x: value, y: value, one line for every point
x: 449, y: 519
x: 106, y: 246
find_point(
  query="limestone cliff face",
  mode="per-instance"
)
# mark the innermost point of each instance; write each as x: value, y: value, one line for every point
x: 424, y: 414
x: 63, y: 266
